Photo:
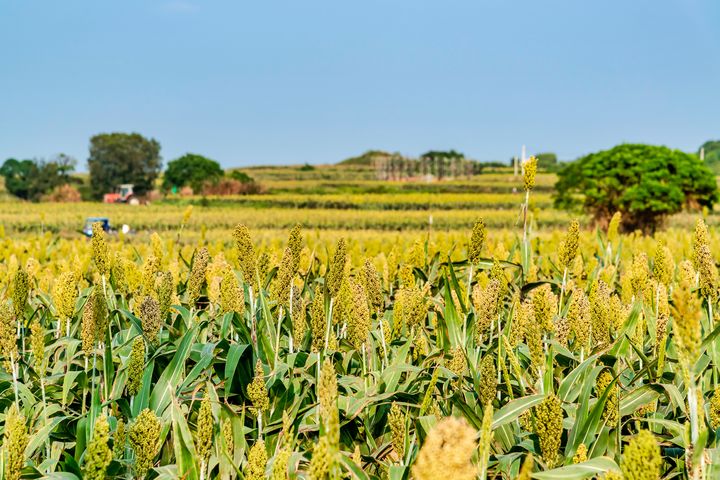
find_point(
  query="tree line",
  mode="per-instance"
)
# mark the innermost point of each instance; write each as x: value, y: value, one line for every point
x: 115, y: 159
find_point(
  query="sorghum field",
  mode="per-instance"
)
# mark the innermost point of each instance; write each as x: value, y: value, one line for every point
x: 316, y: 333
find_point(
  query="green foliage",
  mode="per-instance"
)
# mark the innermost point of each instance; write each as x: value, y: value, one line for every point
x: 367, y: 158
x: 645, y: 183
x: 117, y: 158
x: 446, y: 154
x: 546, y: 161
x: 241, y: 176
x: 191, y: 170
x: 31, y: 179
x: 712, y: 154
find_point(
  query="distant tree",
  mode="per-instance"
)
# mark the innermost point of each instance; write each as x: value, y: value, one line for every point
x: 711, y: 150
x: 117, y: 158
x: 31, y: 179
x: 546, y: 161
x: 446, y: 154
x: 646, y: 183
x: 191, y: 170
x: 368, y: 158
x: 243, y: 177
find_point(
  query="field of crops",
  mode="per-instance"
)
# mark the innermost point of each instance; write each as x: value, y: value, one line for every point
x: 219, y: 340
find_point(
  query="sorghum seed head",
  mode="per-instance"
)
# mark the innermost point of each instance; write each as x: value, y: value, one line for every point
x: 136, y: 366
x: 98, y: 454
x: 477, y: 241
x: 257, y: 391
x: 15, y: 442
x: 150, y: 318
x: 641, y: 458
x: 205, y: 426
x: 396, y: 420
x: 338, y: 268
x: 99, y: 248
x: 197, y: 274
x: 549, y: 428
x: 447, y: 452
x: 529, y: 172
x: 569, y: 246
x: 144, y: 438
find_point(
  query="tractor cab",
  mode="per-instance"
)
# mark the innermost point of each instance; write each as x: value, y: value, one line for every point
x: 123, y: 194
x: 87, y: 229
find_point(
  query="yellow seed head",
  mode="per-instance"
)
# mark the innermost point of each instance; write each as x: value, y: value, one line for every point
x: 614, y: 227
x: 150, y: 269
x: 641, y: 459
x: 529, y: 172
x: 477, y: 241
x: 257, y: 391
x: 686, y: 312
x: 164, y: 290
x: 548, y: 425
x: 65, y: 294
x: 600, y: 313
x: 99, y: 248
x: 580, y: 454
x: 15, y: 442
x: 280, y: 465
x: 37, y: 345
x: 136, y: 366
x: 98, y: 454
x: 205, y: 426
x: 247, y: 257
x: 715, y: 409
x: 700, y: 239
x: 288, y: 267
x: 447, y: 452
x: 322, y: 460
x: 8, y: 340
x: 318, y: 321
x: 196, y: 280
x: 487, y: 304
x: 579, y: 319
x: 663, y: 267
x: 328, y: 397
x: 545, y: 305
x: 257, y: 462
x: 373, y: 287
x: 20, y: 290
x: 396, y: 421
x: 358, y: 316
x: 232, y: 298
x: 610, y: 413
x: 526, y: 469
x: 410, y: 309
x: 144, y: 438
x: 338, y: 268
x: 187, y: 213
x: 457, y: 363
x: 569, y: 247
x: 488, y: 380
x: 150, y: 318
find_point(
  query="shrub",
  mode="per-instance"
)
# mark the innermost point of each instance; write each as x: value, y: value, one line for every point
x: 645, y: 183
x: 64, y: 194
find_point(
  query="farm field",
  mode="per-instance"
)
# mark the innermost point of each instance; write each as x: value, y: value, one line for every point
x: 332, y: 330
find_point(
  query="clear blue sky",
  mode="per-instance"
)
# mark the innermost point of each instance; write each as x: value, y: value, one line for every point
x: 281, y: 82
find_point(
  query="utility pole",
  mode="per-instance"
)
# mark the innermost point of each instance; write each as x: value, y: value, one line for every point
x: 702, y: 154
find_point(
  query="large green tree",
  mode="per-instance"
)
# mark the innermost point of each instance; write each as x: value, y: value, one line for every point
x: 193, y: 170
x: 643, y: 182
x: 31, y: 179
x: 117, y: 158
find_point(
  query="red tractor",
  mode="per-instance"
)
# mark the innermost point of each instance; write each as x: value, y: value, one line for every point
x: 122, y: 194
